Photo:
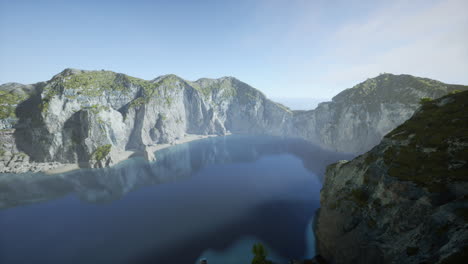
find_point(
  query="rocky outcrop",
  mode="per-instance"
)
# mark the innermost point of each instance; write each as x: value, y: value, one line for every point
x: 77, y: 114
x: 405, y: 201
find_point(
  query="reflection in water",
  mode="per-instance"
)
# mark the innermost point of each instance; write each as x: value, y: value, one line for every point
x: 216, y: 191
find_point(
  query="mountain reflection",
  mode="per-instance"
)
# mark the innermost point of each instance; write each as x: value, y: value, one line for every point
x: 175, y: 163
x: 206, y: 194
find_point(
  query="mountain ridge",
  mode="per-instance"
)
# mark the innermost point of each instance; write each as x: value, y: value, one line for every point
x: 71, y: 117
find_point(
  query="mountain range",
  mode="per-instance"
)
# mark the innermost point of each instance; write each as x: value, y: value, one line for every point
x: 403, y: 200
x: 92, y: 117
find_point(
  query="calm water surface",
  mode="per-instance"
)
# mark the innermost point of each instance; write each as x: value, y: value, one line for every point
x: 210, y: 198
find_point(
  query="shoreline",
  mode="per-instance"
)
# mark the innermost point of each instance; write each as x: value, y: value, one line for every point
x: 125, y: 155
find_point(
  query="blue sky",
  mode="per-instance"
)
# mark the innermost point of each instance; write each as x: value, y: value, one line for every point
x: 285, y: 48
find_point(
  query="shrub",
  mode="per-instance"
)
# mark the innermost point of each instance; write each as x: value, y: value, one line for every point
x: 101, y: 152
x: 259, y: 254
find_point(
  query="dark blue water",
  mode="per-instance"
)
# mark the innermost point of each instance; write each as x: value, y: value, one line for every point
x: 210, y: 198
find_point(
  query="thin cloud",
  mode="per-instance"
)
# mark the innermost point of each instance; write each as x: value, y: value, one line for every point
x: 431, y: 41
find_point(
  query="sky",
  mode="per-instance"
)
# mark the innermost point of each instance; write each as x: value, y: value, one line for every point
x: 285, y: 48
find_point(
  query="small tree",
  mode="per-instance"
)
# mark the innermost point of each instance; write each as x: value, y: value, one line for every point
x: 259, y: 254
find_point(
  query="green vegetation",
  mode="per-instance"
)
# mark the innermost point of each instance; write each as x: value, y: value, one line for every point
x: 8, y: 103
x: 139, y: 101
x: 149, y: 88
x: 93, y: 83
x: 87, y: 83
x: 95, y: 109
x: 101, y: 152
x: 425, y: 100
x: 436, y: 137
x: 260, y: 254
x: 393, y: 89
x: 152, y: 89
x: 210, y: 87
x: 2, y: 152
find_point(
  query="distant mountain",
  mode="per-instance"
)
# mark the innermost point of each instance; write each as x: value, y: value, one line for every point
x: 357, y: 118
x: 91, y: 117
x: 405, y: 201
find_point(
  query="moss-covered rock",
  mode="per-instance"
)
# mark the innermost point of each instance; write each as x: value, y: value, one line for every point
x: 9, y: 100
x: 435, y: 140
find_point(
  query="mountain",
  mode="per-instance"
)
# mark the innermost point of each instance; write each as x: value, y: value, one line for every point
x: 92, y: 117
x: 357, y: 118
x: 405, y: 201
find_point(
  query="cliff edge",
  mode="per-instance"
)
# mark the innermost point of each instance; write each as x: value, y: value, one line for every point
x: 406, y: 200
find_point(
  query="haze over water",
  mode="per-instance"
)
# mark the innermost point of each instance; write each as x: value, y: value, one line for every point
x: 212, y: 198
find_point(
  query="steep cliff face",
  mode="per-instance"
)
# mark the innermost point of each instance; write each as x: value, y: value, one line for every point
x: 357, y: 118
x: 90, y: 117
x: 405, y: 201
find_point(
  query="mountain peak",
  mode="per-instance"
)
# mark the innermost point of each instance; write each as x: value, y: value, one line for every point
x: 169, y: 76
x: 68, y: 72
x: 395, y: 88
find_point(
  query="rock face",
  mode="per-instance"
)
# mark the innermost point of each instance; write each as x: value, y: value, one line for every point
x: 89, y: 117
x: 406, y: 200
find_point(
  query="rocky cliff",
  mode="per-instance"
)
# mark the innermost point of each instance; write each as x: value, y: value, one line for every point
x: 406, y: 200
x: 90, y: 117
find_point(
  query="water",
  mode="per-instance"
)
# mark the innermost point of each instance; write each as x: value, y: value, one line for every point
x: 210, y: 198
